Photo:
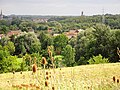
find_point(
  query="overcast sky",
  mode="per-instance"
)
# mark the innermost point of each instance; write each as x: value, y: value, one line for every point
x: 59, y: 7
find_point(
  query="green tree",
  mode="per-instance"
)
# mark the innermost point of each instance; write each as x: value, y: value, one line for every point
x: 93, y: 41
x: 102, y: 35
x: 4, y: 41
x: 45, y: 40
x: 4, y: 29
x: 13, y: 27
x: 72, y: 41
x: 57, y: 26
x: 85, y: 46
x: 24, y: 26
x: 69, y: 55
x: 16, y: 22
x: 10, y: 47
x: 27, y: 42
x: 60, y: 42
x: 3, y: 63
x: 10, y: 63
x: 114, y: 42
x: 4, y: 54
x: 42, y: 27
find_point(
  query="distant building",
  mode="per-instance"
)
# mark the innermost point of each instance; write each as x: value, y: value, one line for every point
x: 82, y: 13
x: 73, y: 33
x: 17, y: 32
x: 1, y: 15
x: 40, y: 20
x: 9, y: 34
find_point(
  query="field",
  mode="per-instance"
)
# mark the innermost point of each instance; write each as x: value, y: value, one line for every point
x: 85, y: 77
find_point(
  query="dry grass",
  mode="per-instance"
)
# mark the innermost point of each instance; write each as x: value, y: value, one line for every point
x: 85, y: 77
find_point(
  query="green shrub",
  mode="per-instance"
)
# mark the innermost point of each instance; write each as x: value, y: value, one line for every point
x: 27, y: 60
x: 98, y: 59
x: 23, y: 66
x: 13, y: 63
x: 9, y: 63
x: 59, y: 60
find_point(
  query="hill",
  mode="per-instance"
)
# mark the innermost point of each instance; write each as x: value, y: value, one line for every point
x: 85, y: 77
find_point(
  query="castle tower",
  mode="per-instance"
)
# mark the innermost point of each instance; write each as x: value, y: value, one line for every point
x: 1, y: 15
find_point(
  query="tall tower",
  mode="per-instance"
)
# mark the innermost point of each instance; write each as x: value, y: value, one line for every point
x: 1, y: 15
x: 103, y: 16
x: 82, y: 13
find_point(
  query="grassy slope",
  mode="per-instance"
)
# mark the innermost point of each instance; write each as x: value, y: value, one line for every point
x: 85, y: 77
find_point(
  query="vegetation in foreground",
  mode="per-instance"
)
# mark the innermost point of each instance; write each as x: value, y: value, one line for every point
x: 85, y: 77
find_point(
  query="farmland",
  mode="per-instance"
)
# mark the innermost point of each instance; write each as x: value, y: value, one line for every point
x: 84, y: 77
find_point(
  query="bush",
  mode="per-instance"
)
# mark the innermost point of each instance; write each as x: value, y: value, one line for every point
x: 14, y: 63
x: 59, y: 61
x: 9, y: 63
x: 98, y: 59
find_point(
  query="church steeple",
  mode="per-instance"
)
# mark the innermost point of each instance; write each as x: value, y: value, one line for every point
x: 1, y: 15
x: 1, y: 12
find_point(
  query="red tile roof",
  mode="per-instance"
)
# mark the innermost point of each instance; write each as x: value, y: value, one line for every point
x: 13, y: 33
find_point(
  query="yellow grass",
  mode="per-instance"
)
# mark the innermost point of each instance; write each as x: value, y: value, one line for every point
x: 85, y: 77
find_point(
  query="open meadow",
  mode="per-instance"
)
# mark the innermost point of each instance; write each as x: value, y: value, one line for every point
x: 85, y: 77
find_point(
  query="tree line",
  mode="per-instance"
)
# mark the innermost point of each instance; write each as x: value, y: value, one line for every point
x: 58, y: 24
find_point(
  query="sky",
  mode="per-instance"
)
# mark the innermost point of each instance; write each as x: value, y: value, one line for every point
x: 59, y: 7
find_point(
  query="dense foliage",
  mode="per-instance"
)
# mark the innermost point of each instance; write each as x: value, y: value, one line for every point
x: 96, y: 42
x: 69, y: 55
x: 27, y: 43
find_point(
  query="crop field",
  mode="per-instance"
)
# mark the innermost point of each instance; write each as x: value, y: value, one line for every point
x: 85, y: 77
